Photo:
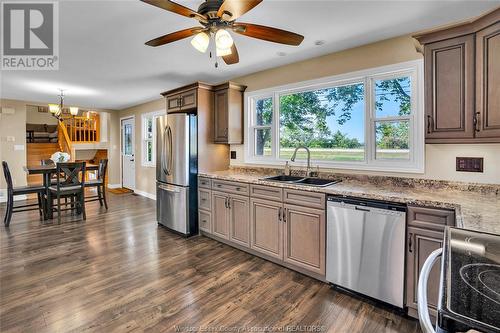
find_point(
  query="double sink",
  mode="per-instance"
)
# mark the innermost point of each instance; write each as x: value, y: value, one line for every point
x: 309, y: 181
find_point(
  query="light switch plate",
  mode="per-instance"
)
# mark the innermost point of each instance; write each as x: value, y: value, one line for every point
x: 470, y: 164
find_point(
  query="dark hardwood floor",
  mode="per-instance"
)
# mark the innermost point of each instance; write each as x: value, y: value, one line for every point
x: 120, y: 272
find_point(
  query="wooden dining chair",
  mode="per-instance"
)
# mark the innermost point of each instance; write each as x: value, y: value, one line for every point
x: 99, y: 184
x: 70, y: 184
x: 12, y: 191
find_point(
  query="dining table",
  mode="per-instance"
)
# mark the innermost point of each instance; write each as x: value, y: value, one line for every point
x: 47, y: 171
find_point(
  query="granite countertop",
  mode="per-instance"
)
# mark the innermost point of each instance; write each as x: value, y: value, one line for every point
x: 476, y: 208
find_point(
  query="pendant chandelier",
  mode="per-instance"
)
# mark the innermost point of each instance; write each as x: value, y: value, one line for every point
x: 56, y: 109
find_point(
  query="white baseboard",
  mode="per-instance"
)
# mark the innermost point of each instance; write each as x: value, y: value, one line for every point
x: 114, y: 186
x: 3, y: 196
x: 146, y: 194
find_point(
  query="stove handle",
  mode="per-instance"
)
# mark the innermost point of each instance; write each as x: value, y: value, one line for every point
x: 423, y: 310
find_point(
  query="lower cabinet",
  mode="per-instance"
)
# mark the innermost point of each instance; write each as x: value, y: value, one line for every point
x: 267, y: 227
x: 265, y: 221
x: 220, y: 215
x: 304, y: 238
x: 421, y: 243
x: 239, y: 220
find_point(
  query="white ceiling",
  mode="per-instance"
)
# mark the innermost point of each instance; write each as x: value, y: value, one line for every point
x: 105, y: 64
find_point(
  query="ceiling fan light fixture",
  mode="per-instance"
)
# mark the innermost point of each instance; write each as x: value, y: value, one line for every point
x: 223, y: 39
x: 201, y: 41
x: 223, y: 52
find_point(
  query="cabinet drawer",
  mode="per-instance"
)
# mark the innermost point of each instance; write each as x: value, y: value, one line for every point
x: 204, y: 199
x: 204, y: 182
x: 430, y: 218
x: 266, y: 192
x: 205, y: 221
x: 304, y: 198
x: 231, y: 187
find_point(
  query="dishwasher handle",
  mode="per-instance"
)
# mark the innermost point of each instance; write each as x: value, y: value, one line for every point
x: 423, y: 310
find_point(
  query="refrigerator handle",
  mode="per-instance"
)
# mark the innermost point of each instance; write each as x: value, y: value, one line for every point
x: 164, y: 152
x: 170, y: 153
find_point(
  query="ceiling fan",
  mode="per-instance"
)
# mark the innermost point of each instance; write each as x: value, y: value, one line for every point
x: 217, y: 18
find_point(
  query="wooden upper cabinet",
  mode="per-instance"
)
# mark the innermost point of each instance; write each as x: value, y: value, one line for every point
x: 228, y: 116
x: 462, y: 81
x: 188, y: 100
x: 173, y: 103
x: 488, y: 82
x: 449, y: 90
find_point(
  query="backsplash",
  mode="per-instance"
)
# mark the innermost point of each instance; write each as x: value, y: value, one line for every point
x: 493, y: 189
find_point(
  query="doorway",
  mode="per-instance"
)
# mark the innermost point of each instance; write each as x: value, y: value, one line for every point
x: 128, y: 152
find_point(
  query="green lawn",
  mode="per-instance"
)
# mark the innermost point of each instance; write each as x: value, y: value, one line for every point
x: 339, y: 154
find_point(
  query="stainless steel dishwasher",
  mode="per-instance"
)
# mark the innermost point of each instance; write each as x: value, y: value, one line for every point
x: 366, y: 248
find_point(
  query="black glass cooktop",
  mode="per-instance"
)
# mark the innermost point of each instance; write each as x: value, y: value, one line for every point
x: 471, y: 283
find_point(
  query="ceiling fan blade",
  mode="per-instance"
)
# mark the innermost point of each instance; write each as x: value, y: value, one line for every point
x: 176, y: 8
x: 267, y: 33
x: 174, y: 36
x: 233, y: 58
x: 230, y: 10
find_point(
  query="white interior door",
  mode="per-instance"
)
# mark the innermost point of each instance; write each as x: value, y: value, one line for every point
x: 128, y: 153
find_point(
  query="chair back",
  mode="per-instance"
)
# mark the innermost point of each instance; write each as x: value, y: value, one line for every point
x: 8, y: 176
x: 103, y: 166
x: 71, y: 174
x: 47, y: 162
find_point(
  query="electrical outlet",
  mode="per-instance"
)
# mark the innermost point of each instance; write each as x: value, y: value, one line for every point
x: 233, y: 154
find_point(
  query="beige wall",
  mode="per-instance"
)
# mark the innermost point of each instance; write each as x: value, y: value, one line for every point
x: 35, y: 117
x: 439, y: 159
x: 14, y: 125
x: 13, y: 133
x: 145, y: 177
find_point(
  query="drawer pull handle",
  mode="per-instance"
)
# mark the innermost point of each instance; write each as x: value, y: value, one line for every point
x: 219, y: 185
x: 204, y: 221
x: 203, y: 199
x: 237, y: 189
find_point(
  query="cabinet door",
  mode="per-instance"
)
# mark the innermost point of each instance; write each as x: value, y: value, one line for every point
x: 421, y: 243
x: 239, y: 220
x: 221, y: 116
x: 305, y: 238
x: 188, y: 100
x: 449, y: 89
x: 266, y: 227
x: 488, y: 82
x: 220, y: 215
x: 173, y: 103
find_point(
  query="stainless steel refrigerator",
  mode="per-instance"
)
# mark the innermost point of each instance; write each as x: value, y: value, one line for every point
x: 176, y: 172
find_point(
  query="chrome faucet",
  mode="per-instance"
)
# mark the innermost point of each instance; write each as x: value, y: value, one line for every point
x: 308, y: 170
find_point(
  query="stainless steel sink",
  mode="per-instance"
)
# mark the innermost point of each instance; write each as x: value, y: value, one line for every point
x: 318, y: 182
x: 284, y: 179
x: 309, y: 181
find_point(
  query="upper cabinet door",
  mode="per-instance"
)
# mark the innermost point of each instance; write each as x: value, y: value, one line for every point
x: 449, y: 89
x: 488, y: 82
x: 221, y: 116
x: 173, y: 103
x: 188, y: 99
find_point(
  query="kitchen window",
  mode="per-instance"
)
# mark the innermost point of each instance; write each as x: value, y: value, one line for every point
x: 369, y: 120
x: 149, y: 137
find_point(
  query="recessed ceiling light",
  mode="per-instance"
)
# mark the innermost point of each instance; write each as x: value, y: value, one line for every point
x: 319, y: 42
x: 281, y: 54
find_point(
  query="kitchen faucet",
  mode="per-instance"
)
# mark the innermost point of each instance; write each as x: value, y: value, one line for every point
x: 308, y: 170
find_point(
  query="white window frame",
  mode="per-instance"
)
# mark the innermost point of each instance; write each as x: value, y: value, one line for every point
x: 144, y: 140
x: 415, y: 164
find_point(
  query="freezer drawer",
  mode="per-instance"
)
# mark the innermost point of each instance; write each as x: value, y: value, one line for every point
x: 173, y: 207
